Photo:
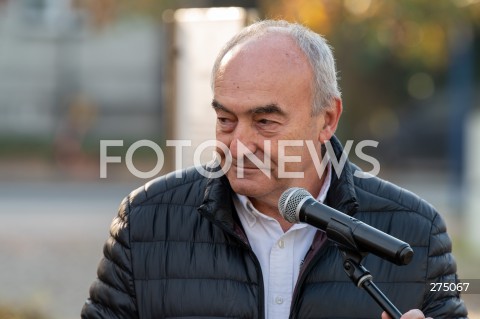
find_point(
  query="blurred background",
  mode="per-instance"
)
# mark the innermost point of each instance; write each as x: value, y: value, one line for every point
x: 74, y: 73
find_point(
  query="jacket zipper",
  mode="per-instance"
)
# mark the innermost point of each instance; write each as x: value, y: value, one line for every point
x: 308, y: 267
x: 244, y: 243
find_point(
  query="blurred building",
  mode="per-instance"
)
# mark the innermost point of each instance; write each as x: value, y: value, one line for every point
x: 55, y: 63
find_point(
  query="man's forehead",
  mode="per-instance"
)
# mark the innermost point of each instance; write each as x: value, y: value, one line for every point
x: 264, y: 68
x: 269, y: 46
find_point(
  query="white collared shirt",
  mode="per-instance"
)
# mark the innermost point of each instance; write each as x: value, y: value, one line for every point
x: 280, y: 253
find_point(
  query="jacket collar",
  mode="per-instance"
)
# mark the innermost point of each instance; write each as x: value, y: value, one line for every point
x: 342, y: 195
x: 218, y: 200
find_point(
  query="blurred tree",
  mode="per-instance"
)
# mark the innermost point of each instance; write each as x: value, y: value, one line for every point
x: 393, y: 59
x: 104, y: 12
x: 413, y: 32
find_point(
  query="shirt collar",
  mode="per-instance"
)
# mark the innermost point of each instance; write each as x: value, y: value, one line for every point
x: 243, y: 204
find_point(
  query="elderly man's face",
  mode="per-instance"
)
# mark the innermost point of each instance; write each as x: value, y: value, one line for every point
x: 263, y: 95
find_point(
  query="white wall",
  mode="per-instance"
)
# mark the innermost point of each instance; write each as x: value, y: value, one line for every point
x: 199, y: 35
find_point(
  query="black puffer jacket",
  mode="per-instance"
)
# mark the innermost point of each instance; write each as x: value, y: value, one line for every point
x: 177, y: 250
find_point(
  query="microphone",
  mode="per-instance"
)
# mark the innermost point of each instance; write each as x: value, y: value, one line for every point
x: 298, y: 205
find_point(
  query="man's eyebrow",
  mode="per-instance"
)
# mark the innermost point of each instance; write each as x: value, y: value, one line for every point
x: 268, y: 109
x: 219, y: 107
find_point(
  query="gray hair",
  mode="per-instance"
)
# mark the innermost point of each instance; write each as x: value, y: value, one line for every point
x: 314, y: 46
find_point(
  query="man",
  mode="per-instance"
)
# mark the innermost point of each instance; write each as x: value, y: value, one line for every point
x: 217, y: 247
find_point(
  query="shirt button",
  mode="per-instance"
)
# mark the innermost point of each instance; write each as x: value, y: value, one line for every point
x: 281, y: 244
x: 278, y: 300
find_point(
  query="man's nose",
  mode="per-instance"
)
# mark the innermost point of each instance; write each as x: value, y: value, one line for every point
x: 243, y: 141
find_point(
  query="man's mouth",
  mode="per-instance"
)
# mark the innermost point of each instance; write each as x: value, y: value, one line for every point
x: 245, y: 167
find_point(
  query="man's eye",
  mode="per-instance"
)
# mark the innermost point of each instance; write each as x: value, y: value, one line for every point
x: 265, y: 122
x: 224, y: 120
x: 226, y: 123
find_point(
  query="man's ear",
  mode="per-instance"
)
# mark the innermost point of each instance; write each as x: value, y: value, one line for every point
x: 331, y: 116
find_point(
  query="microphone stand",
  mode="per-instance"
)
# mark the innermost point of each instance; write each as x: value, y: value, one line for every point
x: 362, y: 278
x: 352, y: 257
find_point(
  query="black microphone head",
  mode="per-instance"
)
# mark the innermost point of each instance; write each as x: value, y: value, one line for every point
x: 289, y: 203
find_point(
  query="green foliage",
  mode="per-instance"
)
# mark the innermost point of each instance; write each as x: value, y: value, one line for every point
x: 394, y: 57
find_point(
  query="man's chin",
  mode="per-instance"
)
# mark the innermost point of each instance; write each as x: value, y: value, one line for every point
x: 246, y: 185
x: 245, y: 190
